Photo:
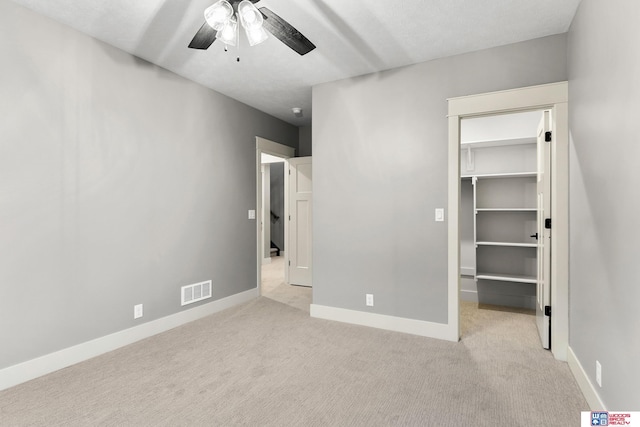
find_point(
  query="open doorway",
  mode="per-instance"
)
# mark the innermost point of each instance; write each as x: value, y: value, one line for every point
x: 274, y: 163
x: 278, y: 152
x: 504, y: 200
x: 272, y: 218
x: 550, y: 97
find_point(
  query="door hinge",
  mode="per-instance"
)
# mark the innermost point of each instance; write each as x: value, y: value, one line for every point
x: 547, y: 223
x: 289, y: 217
x: 547, y: 310
x: 289, y: 263
x: 547, y: 136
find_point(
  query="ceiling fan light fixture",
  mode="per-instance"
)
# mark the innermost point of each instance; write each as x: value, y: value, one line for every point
x: 259, y: 24
x: 218, y: 14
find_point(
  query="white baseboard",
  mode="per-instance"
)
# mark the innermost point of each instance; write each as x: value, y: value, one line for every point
x: 469, y: 296
x: 389, y: 323
x: 34, y: 368
x: 266, y: 261
x: 587, y: 388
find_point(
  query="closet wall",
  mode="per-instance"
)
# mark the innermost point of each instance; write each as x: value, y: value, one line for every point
x: 498, y: 209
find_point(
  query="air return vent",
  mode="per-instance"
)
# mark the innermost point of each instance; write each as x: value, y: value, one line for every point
x: 196, y: 292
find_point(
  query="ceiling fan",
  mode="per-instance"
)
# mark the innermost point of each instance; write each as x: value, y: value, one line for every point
x: 221, y: 22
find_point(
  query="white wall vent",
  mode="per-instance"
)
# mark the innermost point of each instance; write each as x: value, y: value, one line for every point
x: 196, y: 292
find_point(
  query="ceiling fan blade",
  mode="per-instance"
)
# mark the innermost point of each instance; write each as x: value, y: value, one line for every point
x: 203, y: 38
x: 285, y: 32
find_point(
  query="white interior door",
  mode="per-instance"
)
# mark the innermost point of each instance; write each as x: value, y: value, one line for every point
x: 543, y: 291
x: 300, y: 221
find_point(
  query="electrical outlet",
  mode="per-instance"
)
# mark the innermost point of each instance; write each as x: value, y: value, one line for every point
x: 137, y: 311
x: 599, y: 373
x: 369, y: 300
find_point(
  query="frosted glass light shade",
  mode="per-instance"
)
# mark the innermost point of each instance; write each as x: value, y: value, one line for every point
x: 256, y: 35
x: 218, y: 14
x: 229, y: 33
x: 250, y: 16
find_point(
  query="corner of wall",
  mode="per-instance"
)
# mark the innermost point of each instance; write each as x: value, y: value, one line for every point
x: 587, y: 388
x: 304, y: 141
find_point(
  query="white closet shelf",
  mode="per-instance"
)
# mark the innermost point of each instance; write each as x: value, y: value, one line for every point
x: 500, y: 175
x: 507, y: 277
x: 498, y: 142
x: 510, y: 244
x: 506, y: 210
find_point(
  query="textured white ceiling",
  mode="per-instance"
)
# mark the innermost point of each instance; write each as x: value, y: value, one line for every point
x: 352, y: 38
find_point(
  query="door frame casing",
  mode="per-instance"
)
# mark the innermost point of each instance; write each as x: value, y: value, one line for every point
x: 275, y: 149
x: 265, y: 174
x: 555, y: 97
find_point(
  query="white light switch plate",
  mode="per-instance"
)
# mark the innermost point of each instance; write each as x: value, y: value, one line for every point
x: 252, y: 214
x: 439, y: 214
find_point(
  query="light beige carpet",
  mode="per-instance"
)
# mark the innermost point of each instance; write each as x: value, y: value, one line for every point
x: 265, y: 363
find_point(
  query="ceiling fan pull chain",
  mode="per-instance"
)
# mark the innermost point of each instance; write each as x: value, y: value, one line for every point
x: 238, y: 38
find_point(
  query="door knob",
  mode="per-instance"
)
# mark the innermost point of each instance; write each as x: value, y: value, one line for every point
x: 534, y: 235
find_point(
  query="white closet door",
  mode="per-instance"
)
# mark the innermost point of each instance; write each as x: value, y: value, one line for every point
x: 300, y: 232
x: 543, y: 290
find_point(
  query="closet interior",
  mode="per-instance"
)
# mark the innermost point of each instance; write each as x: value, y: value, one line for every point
x: 498, y: 209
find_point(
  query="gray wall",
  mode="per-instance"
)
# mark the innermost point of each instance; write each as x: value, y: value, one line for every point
x: 277, y: 204
x: 119, y: 183
x: 304, y: 144
x: 604, y: 95
x: 380, y: 170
